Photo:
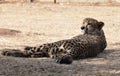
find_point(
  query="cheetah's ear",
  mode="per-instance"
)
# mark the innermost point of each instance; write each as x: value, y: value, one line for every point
x: 100, y: 25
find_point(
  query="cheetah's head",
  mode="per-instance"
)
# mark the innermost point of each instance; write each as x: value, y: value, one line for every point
x: 92, y: 26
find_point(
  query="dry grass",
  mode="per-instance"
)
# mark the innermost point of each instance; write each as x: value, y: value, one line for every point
x: 43, y: 23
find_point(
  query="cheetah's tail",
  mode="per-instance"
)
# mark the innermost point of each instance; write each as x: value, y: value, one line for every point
x: 13, y: 52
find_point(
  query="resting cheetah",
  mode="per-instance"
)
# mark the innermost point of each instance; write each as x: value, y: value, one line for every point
x: 89, y: 44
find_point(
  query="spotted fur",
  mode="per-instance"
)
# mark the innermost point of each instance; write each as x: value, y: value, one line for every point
x: 89, y: 44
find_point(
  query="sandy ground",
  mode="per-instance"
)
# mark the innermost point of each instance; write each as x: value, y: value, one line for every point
x: 34, y: 24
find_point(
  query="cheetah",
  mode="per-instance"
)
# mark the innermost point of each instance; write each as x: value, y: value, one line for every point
x: 89, y: 44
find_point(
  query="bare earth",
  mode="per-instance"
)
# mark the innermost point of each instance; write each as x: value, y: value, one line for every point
x: 34, y: 24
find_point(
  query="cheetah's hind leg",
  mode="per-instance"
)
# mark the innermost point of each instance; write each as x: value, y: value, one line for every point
x: 66, y: 59
x: 62, y: 57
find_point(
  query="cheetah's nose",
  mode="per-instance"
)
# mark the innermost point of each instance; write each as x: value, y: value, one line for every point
x: 82, y: 28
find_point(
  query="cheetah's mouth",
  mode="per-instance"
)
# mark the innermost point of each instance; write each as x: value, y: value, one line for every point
x: 82, y: 31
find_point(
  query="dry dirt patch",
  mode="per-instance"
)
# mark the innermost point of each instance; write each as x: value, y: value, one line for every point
x: 8, y: 32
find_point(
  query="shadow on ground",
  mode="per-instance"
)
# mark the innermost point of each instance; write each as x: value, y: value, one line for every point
x: 105, y: 64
